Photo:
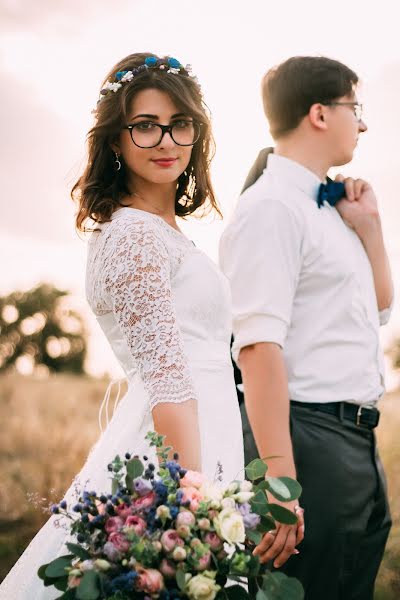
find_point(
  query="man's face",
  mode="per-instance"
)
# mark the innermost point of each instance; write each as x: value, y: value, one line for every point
x: 344, y: 126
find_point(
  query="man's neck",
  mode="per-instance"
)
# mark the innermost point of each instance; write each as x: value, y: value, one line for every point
x: 304, y: 155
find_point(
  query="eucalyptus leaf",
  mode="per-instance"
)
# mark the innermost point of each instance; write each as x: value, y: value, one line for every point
x: 284, y: 489
x: 134, y: 468
x: 68, y: 595
x: 114, y: 485
x: 261, y: 595
x: 259, y: 503
x: 79, y: 551
x: 181, y: 579
x: 129, y: 483
x: 256, y: 469
x: 42, y: 570
x: 254, y: 536
x: 267, y: 523
x: 283, y: 515
x: 57, y: 566
x: 278, y: 586
x: 89, y: 588
x: 61, y: 584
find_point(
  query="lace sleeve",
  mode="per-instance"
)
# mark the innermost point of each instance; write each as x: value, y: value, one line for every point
x: 137, y: 282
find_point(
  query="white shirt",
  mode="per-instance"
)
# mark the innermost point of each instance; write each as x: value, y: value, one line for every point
x: 301, y: 278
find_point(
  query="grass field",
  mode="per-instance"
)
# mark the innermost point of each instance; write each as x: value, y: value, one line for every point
x: 47, y: 427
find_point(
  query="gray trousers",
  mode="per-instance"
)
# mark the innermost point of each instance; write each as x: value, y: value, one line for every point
x: 347, y: 518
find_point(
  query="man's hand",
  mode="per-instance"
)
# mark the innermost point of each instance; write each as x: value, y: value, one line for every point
x: 281, y: 543
x: 359, y: 210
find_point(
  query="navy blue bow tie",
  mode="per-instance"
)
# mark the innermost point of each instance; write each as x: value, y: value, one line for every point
x: 330, y: 192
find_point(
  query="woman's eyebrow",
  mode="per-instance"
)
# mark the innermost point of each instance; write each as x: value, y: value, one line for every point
x: 155, y: 117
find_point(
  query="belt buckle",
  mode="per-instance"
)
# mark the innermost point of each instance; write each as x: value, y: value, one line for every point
x: 359, y: 412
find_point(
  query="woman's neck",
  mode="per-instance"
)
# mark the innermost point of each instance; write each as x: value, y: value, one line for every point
x: 158, y: 199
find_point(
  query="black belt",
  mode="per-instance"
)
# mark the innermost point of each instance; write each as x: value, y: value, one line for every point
x: 361, y: 415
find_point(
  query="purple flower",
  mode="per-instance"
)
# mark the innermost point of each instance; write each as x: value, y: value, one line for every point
x: 142, y: 486
x: 251, y: 520
x: 111, y: 552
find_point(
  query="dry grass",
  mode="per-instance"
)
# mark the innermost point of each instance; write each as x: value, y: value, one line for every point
x: 47, y: 427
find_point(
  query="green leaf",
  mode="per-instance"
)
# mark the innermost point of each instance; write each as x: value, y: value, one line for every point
x: 277, y: 586
x: 254, y: 536
x: 262, y: 596
x: 68, y: 595
x: 89, y: 588
x: 283, y: 515
x: 56, y: 568
x: 266, y: 524
x: 41, y: 571
x: 256, y: 469
x: 181, y: 579
x: 129, y: 483
x: 259, y: 503
x: 284, y: 489
x: 114, y: 486
x: 79, y: 551
x: 134, y: 468
x: 236, y: 592
x: 61, y: 584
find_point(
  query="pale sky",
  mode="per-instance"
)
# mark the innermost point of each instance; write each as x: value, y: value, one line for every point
x: 54, y: 55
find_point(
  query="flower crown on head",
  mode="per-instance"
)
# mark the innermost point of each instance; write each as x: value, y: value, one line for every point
x: 168, y: 65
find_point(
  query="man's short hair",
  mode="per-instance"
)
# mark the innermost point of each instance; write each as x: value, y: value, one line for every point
x: 290, y: 89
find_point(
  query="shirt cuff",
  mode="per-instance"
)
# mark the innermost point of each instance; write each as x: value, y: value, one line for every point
x: 257, y: 329
x: 384, y: 315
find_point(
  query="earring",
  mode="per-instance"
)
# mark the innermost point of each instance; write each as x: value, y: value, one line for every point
x: 117, y: 162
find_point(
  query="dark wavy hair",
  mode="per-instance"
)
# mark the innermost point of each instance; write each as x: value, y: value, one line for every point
x: 100, y: 189
x: 290, y: 89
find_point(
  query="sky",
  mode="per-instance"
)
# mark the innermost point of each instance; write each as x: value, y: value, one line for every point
x: 54, y: 55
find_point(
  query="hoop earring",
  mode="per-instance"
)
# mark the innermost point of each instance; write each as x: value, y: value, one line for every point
x: 117, y: 162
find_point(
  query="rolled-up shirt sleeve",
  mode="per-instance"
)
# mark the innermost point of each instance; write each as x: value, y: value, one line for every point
x: 260, y: 253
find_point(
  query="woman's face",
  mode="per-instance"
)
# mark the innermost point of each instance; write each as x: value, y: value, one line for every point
x: 165, y: 162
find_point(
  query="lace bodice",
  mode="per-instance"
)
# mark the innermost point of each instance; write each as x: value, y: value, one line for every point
x: 132, y: 264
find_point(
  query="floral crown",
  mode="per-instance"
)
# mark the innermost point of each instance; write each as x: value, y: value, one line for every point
x: 168, y: 65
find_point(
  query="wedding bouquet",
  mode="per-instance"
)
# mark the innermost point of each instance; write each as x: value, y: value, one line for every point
x: 172, y: 534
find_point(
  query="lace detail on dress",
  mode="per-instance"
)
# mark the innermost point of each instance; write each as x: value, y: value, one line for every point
x: 129, y: 273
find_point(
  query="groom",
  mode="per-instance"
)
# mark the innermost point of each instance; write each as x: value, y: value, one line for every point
x: 311, y: 284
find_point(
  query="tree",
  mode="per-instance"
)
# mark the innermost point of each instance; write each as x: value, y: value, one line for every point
x: 41, y: 327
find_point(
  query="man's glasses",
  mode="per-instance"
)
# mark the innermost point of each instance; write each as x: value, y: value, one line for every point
x: 147, y: 134
x: 357, y: 107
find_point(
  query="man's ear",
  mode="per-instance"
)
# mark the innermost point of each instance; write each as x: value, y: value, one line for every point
x: 316, y: 116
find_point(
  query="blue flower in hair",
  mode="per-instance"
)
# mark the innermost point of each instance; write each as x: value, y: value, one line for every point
x: 174, y: 63
x: 150, y: 61
x: 120, y: 75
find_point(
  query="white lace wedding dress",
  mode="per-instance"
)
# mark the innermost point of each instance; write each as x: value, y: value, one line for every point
x: 165, y: 309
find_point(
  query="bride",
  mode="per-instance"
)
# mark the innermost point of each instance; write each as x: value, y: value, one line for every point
x: 162, y: 304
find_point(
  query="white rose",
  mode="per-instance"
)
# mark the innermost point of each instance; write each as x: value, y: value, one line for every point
x: 246, y: 486
x: 230, y: 527
x: 202, y: 587
x: 86, y: 565
x: 228, y: 503
x: 233, y: 487
x: 243, y: 497
x: 211, y: 493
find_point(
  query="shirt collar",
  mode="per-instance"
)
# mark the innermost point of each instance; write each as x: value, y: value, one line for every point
x: 304, y: 179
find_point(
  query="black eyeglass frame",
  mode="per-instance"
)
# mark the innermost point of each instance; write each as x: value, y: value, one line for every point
x: 358, y: 107
x: 165, y: 129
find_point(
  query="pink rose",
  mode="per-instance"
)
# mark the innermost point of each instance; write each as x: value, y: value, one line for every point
x: 170, y: 539
x: 149, y: 581
x: 192, y: 479
x: 113, y: 524
x: 167, y: 568
x: 185, y: 518
x: 119, y: 541
x: 73, y: 581
x: 204, y: 562
x: 123, y: 511
x: 145, y: 501
x: 137, y: 524
x: 192, y: 495
x: 212, y: 539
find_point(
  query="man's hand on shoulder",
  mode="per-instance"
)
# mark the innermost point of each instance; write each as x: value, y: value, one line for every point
x: 359, y: 210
